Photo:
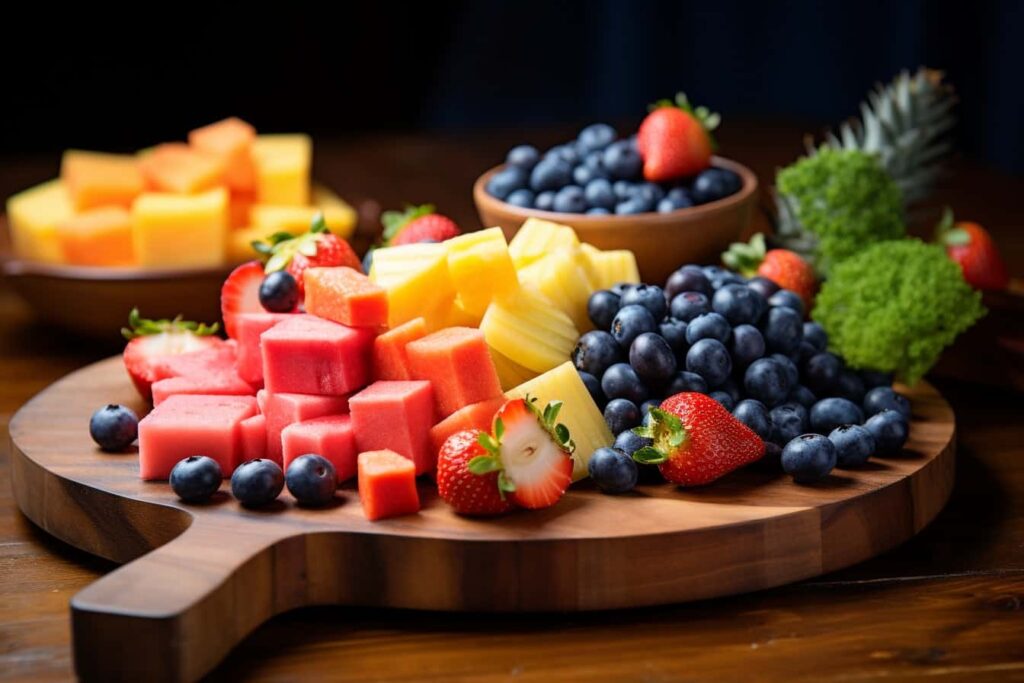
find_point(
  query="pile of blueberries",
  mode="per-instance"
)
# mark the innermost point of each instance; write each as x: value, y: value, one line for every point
x: 744, y: 343
x: 598, y: 173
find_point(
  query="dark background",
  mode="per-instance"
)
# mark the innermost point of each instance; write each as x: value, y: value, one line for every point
x: 122, y: 78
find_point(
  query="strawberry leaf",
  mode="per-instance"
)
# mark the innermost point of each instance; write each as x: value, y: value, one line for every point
x: 505, y: 485
x: 483, y: 464
x: 319, y: 223
x: 499, y: 429
x: 394, y: 221
x: 144, y: 327
x: 649, y: 455
x: 489, y: 443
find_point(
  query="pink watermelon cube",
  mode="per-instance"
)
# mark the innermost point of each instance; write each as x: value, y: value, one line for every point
x: 254, y: 437
x: 210, y: 385
x: 216, y: 360
x: 458, y: 363
x: 330, y: 437
x: 248, y: 328
x: 308, y: 355
x: 185, y: 425
x: 397, y: 416
x: 282, y: 410
x: 387, y: 485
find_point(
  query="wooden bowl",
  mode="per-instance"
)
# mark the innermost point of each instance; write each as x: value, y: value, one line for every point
x: 661, y: 241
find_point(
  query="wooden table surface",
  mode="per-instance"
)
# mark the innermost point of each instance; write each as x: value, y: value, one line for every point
x: 949, y: 604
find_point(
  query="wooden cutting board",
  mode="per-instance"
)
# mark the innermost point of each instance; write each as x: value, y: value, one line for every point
x: 198, y: 579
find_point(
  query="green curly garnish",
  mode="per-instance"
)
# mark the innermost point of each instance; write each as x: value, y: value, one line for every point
x: 895, y: 306
x: 841, y: 201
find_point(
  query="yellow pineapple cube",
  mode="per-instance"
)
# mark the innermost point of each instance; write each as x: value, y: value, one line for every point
x: 564, y: 282
x: 238, y: 247
x: 283, y: 168
x: 579, y: 412
x: 510, y: 373
x: 538, y: 238
x: 172, y: 230
x: 481, y: 268
x: 34, y: 215
x: 271, y: 218
x: 528, y: 330
x: 609, y: 268
x: 417, y: 281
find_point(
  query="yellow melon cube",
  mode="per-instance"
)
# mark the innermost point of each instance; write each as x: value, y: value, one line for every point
x: 34, y: 215
x: 528, y: 330
x: 579, y: 412
x: 609, y: 268
x: 417, y: 281
x: 238, y: 244
x: 538, y: 238
x: 283, y: 168
x: 510, y: 373
x: 172, y: 230
x: 564, y: 282
x: 481, y: 268
x: 271, y: 218
x: 344, y: 216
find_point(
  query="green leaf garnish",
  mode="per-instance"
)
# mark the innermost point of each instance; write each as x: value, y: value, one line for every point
x: 648, y: 455
x: 394, y: 221
x: 484, y: 464
x: 144, y: 327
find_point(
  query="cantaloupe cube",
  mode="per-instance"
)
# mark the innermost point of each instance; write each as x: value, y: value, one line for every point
x: 180, y: 230
x: 397, y: 416
x: 564, y: 282
x: 579, y: 412
x: 510, y: 373
x: 99, y: 179
x: 474, y: 416
x: 481, y: 268
x: 295, y: 220
x: 389, y: 357
x: 34, y: 215
x: 282, y: 410
x: 343, y: 216
x: 254, y: 437
x: 608, y: 268
x: 387, y: 485
x: 308, y: 355
x: 529, y: 331
x: 417, y: 281
x: 345, y: 296
x: 537, y: 238
x: 98, y: 237
x: 230, y: 141
x: 330, y: 437
x: 176, y: 167
x: 239, y: 209
x: 456, y: 361
x: 283, y: 168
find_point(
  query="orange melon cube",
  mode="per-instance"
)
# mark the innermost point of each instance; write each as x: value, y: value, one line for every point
x: 230, y: 141
x: 345, y: 296
x: 458, y: 363
x: 98, y: 179
x: 387, y: 485
x: 474, y: 416
x: 240, y: 209
x: 98, y: 237
x: 389, y: 357
x: 176, y: 167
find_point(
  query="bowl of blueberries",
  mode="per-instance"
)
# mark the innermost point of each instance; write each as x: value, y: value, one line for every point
x: 595, y: 184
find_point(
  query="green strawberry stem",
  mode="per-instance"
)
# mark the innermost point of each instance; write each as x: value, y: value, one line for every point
x: 946, y: 232
x: 280, y: 248
x: 394, y: 221
x: 144, y: 327
x: 746, y: 258
x: 708, y: 119
x: 669, y: 434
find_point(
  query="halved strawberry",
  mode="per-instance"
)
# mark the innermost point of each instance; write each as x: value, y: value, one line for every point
x: 240, y: 293
x: 469, y: 493
x: 534, y: 451
x: 314, y: 249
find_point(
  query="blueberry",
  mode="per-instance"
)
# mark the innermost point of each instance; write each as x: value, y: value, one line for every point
x: 731, y: 387
x: 592, y: 160
x: 854, y: 445
x: 623, y: 189
x: 676, y: 198
x: 621, y: 414
x: 784, y: 298
x: 595, y: 352
x: 651, y: 297
x: 114, y: 427
x: 754, y: 415
x: 821, y: 371
x: 593, y: 385
x: 710, y: 359
x: 789, y: 421
x: 257, y: 482
x: 523, y: 156
x: 196, y: 478
x: 550, y: 173
x: 630, y: 443
x: 649, y: 193
x: 738, y: 304
x: 809, y: 458
x: 581, y: 175
x: 884, y: 398
x: 708, y: 326
x: 716, y: 272
x: 851, y: 386
x: 506, y: 181
x: 815, y: 334
x: 674, y: 332
x: 762, y: 286
x: 688, y: 279
x: 724, y: 398
x: 279, y: 292
x: 783, y: 329
x: 732, y: 180
x: 613, y: 470
x: 596, y: 136
x: 710, y: 185
x: 621, y: 381
x: 666, y: 206
x: 545, y: 201
x: 621, y: 288
x: 772, y: 459
x: 312, y: 480
x: 570, y: 200
x: 686, y: 306
x: 649, y: 405
x: 652, y: 358
x: 622, y: 160
x: 599, y: 194
x: 602, y: 307
x: 598, y: 211
x: 630, y: 322
x: 875, y: 378
x: 792, y: 374
x: 368, y: 260
x: 746, y: 345
x: 890, y: 430
x: 565, y: 153
x: 766, y: 381
x: 829, y: 413
x: 803, y: 353
x: 632, y: 206
x: 802, y: 395
x: 686, y: 381
x: 522, y: 198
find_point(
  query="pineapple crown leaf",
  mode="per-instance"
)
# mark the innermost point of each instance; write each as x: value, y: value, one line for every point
x: 668, y: 433
x: 948, y: 234
x: 745, y: 257
x: 394, y: 221
x: 280, y: 248
x: 144, y: 327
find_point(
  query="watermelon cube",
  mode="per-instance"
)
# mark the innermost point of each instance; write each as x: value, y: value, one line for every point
x: 248, y: 328
x: 282, y: 410
x: 387, y: 485
x: 226, y: 384
x: 330, y: 437
x: 474, y: 416
x: 458, y: 363
x: 389, y: 357
x: 254, y: 437
x: 309, y: 355
x: 345, y: 296
x: 396, y: 416
x: 187, y: 425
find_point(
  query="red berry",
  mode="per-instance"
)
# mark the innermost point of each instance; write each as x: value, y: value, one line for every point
x: 240, y: 293
x: 468, y: 493
x: 675, y: 141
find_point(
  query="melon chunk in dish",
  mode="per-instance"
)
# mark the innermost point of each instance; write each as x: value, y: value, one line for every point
x: 396, y: 416
x: 457, y: 362
x: 387, y: 485
x: 98, y: 237
x: 345, y: 296
x: 254, y: 437
x: 98, y: 179
x: 34, y: 215
x: 187, y: 425
x: 248, y: 328
x: 180, y: 230
x: 282, y: 410
x: 229, y: 141
x: 474, y: 416
x: 176, y: 167
x: 224, y: 384
x: 330, y: 437
x: 309, y: 355
x: 283, y: 168
x: 389, y: 358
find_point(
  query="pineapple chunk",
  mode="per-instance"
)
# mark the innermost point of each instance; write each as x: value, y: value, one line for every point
x: 481, y: 268
x: 283, y: 168
x: 271, y: 218
x: 417, y: 281
x: 510, y: 373
x: 527, y: 329
x: 579, y: 412
x: 34, y: 216
x: 564, y: 282
x: 458, y: 316
x: 170, y: 230
x: 609, y: 268
x: 537, y: 238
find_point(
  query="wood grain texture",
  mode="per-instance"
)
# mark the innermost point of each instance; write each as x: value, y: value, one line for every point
x: 228, y: 569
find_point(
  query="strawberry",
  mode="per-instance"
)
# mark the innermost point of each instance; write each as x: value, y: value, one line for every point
x: 675, y: 139
x: 469, y: 493
x: 785, y: 268
x: 153, y: 343
x: 240, y: 293
x: 973, y: 248
x: 313, y: 249
x: 696, y: 440
x: 417, y: 224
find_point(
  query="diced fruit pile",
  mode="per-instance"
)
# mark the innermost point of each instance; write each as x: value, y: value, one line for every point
x: 665, y: 167
x: 195, y: 204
